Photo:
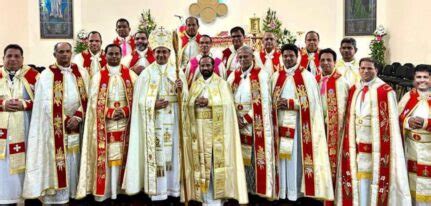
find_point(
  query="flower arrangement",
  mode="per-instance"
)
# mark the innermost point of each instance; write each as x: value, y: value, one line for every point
x: 271, y: 23
x: 81, y: 43
x: 146, y: 22
x: 377, y: 45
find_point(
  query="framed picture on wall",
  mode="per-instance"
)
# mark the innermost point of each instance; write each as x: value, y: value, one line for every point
x: 360, y: 17
x: 56, y: 19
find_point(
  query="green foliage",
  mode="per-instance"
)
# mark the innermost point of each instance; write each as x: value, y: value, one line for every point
x: 80, y: 47
x: 378, y: 50
x: 272, y: 24
x: 146, y: 22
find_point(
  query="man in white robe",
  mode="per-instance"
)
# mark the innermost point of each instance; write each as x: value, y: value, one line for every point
x: 188, y: 41
x: 302, y: 150
x: 348, y: 65
x: 230, y: 59
x: 17, y: 83
x: 372, y: 168
x: 153, y: 161
x: 93, y: 59
x: 54, y: 137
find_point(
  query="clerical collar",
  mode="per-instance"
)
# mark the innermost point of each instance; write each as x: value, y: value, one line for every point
x: 96, y: 54
x: 245, y: 73
x: 270, y: 53
x: 369, y: 83
x: 142, y: 53
x: 292, y: 70
x: 191, y: 37
x: 114, y: 70
x: 65, y: 69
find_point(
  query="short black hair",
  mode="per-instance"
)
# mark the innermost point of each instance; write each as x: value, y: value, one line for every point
x: 206, y: 35
x: 58, y: 43
x: 368, y: 59
x: 94, y: 32
x: 112, y: 45
x: 422, y: 68
x: 290, y: 47
x: 192, y: 17
x: 311, y: 32
x: 122, y: 20
x: 141, y: 32
x: 236, y: 29
x: 207, y: 56
x: 13, y: 46
x: 349, y: 40
x: 328, y: 51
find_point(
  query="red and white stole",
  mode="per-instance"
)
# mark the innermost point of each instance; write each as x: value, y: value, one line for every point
x: 258, y: 127
x: 59, y: 119
x: 385, y: 149
x: 86, y: 56
x: 102, y: 140
x: 305, y: 62
x: 275, y: 60
x: 136, y: 57
x: 131, y: 42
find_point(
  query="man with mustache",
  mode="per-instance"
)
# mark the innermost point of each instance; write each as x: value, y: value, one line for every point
x: 310, y: 54
x: 230, y: 55
x: 106, y: 131
x: 348, y: 66
x: 270, y: 56
x: 211, y: 135
x: 251, y: 90
x: 92, y: 59
x: 124, y: 40
x: 142, y: 56
x: 192, y: 70
x: 415, y: 121
x: 371, y: 168
x: 59, y: 110
x: 17, y: 82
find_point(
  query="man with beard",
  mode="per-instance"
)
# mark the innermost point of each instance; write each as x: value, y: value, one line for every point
x: 230, y: 59
x: 142, y: 56
x: 106, y: 131
x: 415, y: 121
x: 269, y: 57
x: 188, y: 40
x: 126, y: 42
x: 17, y: 83
x: 192, y: 70
x: 310, y: 54
x: 211, y: 135
x: 371, y: 168
x: 92, y: 59
x: 153, y: 161
x: 334, y: 91
x: 251, y: 90
x: 54, y: 138
x: 302, y: 151
x: 348, y: 66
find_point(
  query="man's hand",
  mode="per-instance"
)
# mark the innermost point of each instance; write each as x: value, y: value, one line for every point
x: 161, y: 104
x: 241, y: 122
x: 282, y: 104
x: 118, y: 114
x: 13, y: 105
x: 72, y: 124
x: 179, y: 84
x: 416, y: 122
x: 201, y: 102
x: 137, y: 69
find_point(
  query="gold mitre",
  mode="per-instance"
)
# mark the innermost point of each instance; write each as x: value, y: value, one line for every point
x: 161, y: 37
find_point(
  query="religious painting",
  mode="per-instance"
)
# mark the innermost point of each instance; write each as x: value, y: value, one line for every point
x: 56, y: 19
x: 360, y: 17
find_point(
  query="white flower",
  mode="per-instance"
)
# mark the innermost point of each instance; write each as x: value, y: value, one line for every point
x: 82, y: 34
x: 380, y: 31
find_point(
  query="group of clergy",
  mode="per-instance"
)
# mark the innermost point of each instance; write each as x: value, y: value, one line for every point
x: 161, y: 114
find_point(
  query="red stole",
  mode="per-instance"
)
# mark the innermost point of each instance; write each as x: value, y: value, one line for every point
x: 131, y: 41
x: 258, y: 127
x: 58, y: 119
x: 226, y: 54
x: 185, y: 39
x: 102, y: 100
x: 275, y: 59
x: 305, y: 62
x: 135, y: 57
x: 385, y: 149
x: 408, y: 109
x: 332, y: 124
x: 86, y: 55
x: 279, y: 85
